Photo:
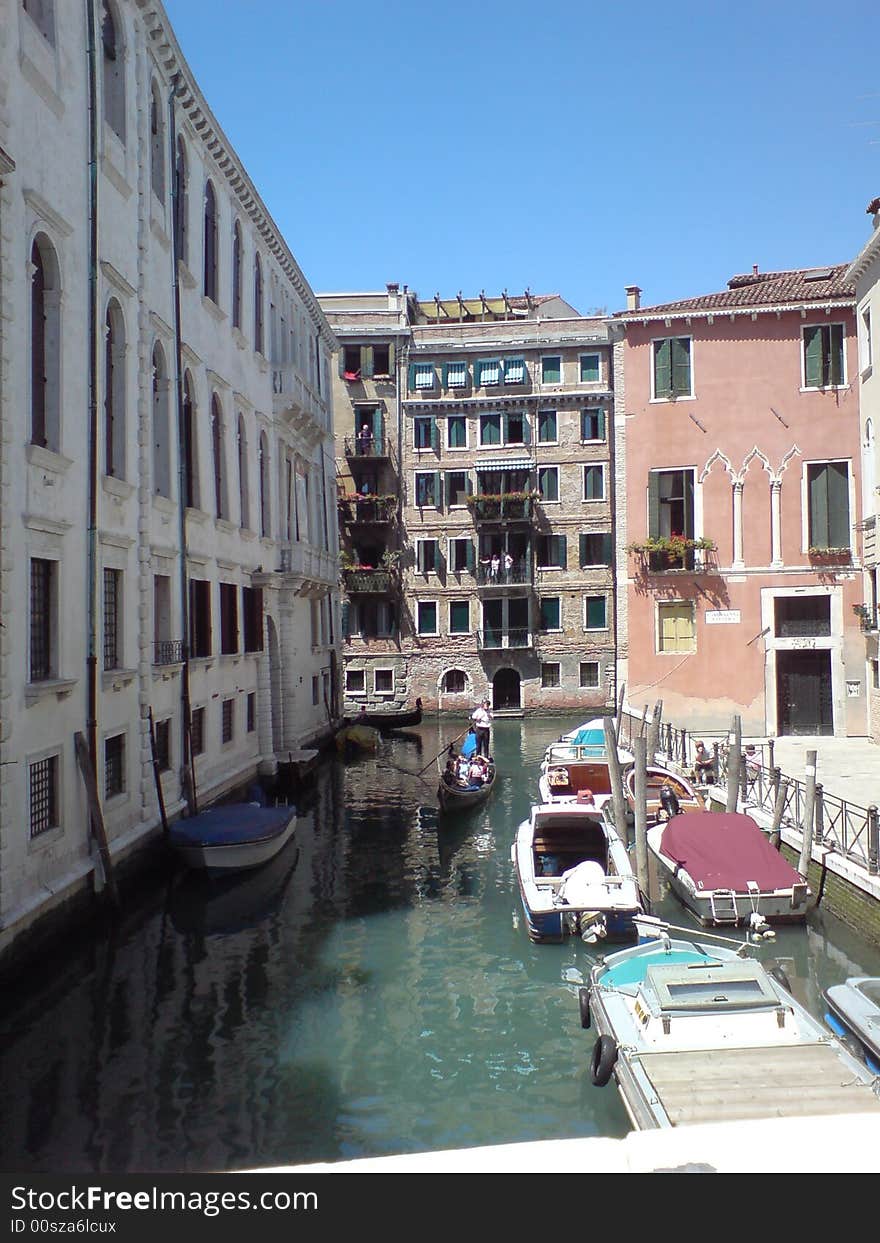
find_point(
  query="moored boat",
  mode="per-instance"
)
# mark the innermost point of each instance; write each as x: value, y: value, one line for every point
x: 660, y: 783
x: 232, y: 836
x: 576, y: 767
x: 402, y: 719
x: 852, y: 1011
x: 355, y: 738
x: 574, y: 875
x: 693, y: 1033
x: 724, y: 869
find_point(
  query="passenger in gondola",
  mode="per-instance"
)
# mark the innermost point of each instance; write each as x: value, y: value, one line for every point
x: 477, y: 771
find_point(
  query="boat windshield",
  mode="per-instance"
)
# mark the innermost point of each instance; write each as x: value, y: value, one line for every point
x: 727, y: 986
x: 871, y: 990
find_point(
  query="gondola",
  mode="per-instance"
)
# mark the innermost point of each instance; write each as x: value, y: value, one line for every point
x: 391, y: 720
x: 454, y: 795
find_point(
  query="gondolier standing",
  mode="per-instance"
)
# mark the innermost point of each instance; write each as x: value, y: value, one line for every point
x: 481, y: 719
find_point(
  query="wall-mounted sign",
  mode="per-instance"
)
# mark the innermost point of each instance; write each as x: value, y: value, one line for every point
x: 853, y: 690
x: 723, y: 617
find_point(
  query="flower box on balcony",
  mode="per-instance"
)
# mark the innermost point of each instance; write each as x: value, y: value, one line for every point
x: 366, y: 580
x: 830, y: 556
x: 673, y: 552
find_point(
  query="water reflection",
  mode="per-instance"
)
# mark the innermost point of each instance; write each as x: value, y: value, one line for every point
x: 370, y: 991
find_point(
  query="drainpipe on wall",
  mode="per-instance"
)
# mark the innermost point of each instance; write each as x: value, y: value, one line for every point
x: 182, y: 468
x: 612, y: 466
x: 93, y: 338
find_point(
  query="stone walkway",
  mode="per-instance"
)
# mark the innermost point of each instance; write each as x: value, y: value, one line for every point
x: 848, y: 768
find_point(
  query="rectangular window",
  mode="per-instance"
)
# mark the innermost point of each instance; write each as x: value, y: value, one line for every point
x: 227, y: 720
x: 547, y: 433
x: 595, y: 613
x: 197, y: 731
x: 551, y: 369
x: 43, y: 781
x: 671, y: 375
x: 594, y: 482
x: 112, y: 608
x: 423, y: 432
x: 422, y: 376
x: 550, y: 675
x: 252, y: 610
x: 589, y: 676
x: 457, y: 487
x: 550, y: 552
x: 355, y: 682
x: 42, y: 628
x: 595, y: 548
x: 487, y: 373
x: 427, y: 617
x: 251, y: 712
x: 461, y: 555
x: 199, y: 617
x: 515, y: 426
x: 427, y: 489
x: 459, y: 617
x: 456, y: 375
x: 163, y: 745
x: 593, y: 424
x: 671, y: 512
x: 383, y: 681
x: 426, y: 556
x: 828, y: 499
x: 550, y: 613
x: 456, y: 432
x: 490, y: 429
x: 676, y: 631
x: 823, y: 356
x: 114, y: 765
x: 381, y: 361
x: 866, y: 344
x: 351, y: 362
x: 589, y: 368
x: 515, y: 371
x: 228, y: 618
x: 548, y: 483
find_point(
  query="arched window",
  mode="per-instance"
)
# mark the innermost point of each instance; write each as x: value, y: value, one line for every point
x: 218, y: 448
x: 258, y: 305
x: 190, y: 446
x: 265, y: 512
x: 244, y: 500
x: 161, y: 425
x: 114, y: 70
x: 236, y: 276
x: 210, y: 243
x: 114, y: 391
x: 181, y: 233
x: 157, y: 144
x: 45, y: 332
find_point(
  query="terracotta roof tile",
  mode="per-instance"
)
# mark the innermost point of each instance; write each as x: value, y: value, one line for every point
x: 761, y: 289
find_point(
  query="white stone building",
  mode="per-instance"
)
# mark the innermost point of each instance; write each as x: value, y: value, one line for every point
x: 167, y: 495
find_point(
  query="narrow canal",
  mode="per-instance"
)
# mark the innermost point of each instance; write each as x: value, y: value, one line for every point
x: 370, y: 991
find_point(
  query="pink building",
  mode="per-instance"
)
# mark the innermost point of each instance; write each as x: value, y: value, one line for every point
x: 738, y: 447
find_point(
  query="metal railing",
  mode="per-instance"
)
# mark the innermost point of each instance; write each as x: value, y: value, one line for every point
x: 516, y: 575
x: 493, y: 639
x: 169, y: 652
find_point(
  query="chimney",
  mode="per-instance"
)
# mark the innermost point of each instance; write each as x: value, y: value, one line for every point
x: 632, y: 297
x: 754, y: 269
x: 392, y: 288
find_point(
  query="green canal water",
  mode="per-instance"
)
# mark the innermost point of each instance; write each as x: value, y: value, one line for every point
x: 371, y: 991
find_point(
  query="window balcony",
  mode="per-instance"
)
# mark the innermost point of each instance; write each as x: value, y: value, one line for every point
x: 496, y: 640
x: 298, y: 403
x: 368, y: 581
x: 868, y: 618
x: 367, y: 509
x: 169, y: 652
x: 519, y: 574
x: 661, y: 554
x: 376, y: 448
x: 501, y: 507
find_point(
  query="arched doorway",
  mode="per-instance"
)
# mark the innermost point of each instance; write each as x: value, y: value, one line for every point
x: 506, y: 690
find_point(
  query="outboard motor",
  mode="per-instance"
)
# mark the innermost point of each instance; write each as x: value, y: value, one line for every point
x: 668, y: 800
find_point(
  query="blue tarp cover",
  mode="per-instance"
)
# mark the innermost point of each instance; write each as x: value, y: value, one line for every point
x: 469, y: 746
x: 231, y: 823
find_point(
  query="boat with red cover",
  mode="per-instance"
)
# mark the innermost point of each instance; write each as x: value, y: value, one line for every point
x: 723, y: 867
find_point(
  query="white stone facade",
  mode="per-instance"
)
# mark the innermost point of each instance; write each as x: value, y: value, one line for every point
x: 92, y: 476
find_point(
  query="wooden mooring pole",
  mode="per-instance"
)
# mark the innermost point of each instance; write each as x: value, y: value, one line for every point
x: 780, y: 786
x: 641, y: 820
x: 617, y: 794
x: 734, y: 763
x: 96, y: 816
x: 809, y: 813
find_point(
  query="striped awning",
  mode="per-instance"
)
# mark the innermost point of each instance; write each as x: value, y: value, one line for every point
x: 506, y: 463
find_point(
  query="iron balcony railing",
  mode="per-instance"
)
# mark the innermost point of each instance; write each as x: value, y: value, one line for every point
x: 368, y: 508
x: 500, y: 575
x: 495, y: 639
x: 501, y: 508
x: 368, y: 446
x: 169, y: 652
x: 368, y: 582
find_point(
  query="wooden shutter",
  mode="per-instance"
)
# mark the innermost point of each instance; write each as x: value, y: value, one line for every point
x: 606, y: 548
x: 813, y: 356
x: 470, y: 558
x: 411, y: 377
x: 662, y: 368
x: 654, y: 503
x: 562, y: 551
x: 582, y: 553
x: 435, y: 434
x: 366, y: 360
x: 681, y: 366
x: 438, y: 489
x: 377, y: 429
x: 835, y: 354
x: 688, y: 482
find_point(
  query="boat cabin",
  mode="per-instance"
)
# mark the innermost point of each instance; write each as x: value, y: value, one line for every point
x: 568, y: 780
x: 561, y: 842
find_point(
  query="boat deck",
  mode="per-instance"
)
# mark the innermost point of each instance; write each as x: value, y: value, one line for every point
x: 726, y: 1085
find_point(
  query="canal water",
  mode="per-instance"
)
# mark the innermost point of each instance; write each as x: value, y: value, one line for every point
x: 371, y: 991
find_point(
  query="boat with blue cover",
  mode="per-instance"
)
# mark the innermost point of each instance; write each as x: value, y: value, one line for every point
x: 232, y: 836
x: 696, y: 1032
x: 574, y: 875
x: 852, y: 1011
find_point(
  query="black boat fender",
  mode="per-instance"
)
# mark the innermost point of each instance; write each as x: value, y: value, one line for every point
x: 780, y: 977
x: 584, y: 1006
x: 603, y: 1060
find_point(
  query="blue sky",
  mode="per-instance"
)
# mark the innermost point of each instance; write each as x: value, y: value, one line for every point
x: 566, y: 147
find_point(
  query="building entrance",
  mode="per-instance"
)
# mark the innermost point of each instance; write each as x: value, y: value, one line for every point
x: 803, y: 692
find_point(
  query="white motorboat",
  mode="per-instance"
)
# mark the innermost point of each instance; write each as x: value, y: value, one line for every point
x: 853, y: 1012
x: 574, y: 875
x: 232, y: 836
x: 576, y: 769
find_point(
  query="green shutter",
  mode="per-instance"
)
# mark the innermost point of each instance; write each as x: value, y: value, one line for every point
x: 688, y: 480
x: 445, y: 374
x: 435, y: 434
x: 835, y: 354
x: 654, y: 504
x: 838, y: 505
x: 606, y: 548
x: 582, y: 554
x: 438, y: 489
x: 345, y: 612
x: 469, y: 556
x: 817, y: 486
x: 600, y: 423
x: 411, y: 380
x: 681, y: 366
x: 562, y: 551
x: 662, y: 368
x: 377, y: 428
x: 813, y: 357
x: 366, y: 360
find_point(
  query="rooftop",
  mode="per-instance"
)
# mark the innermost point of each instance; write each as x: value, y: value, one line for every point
x: 761, y: 289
